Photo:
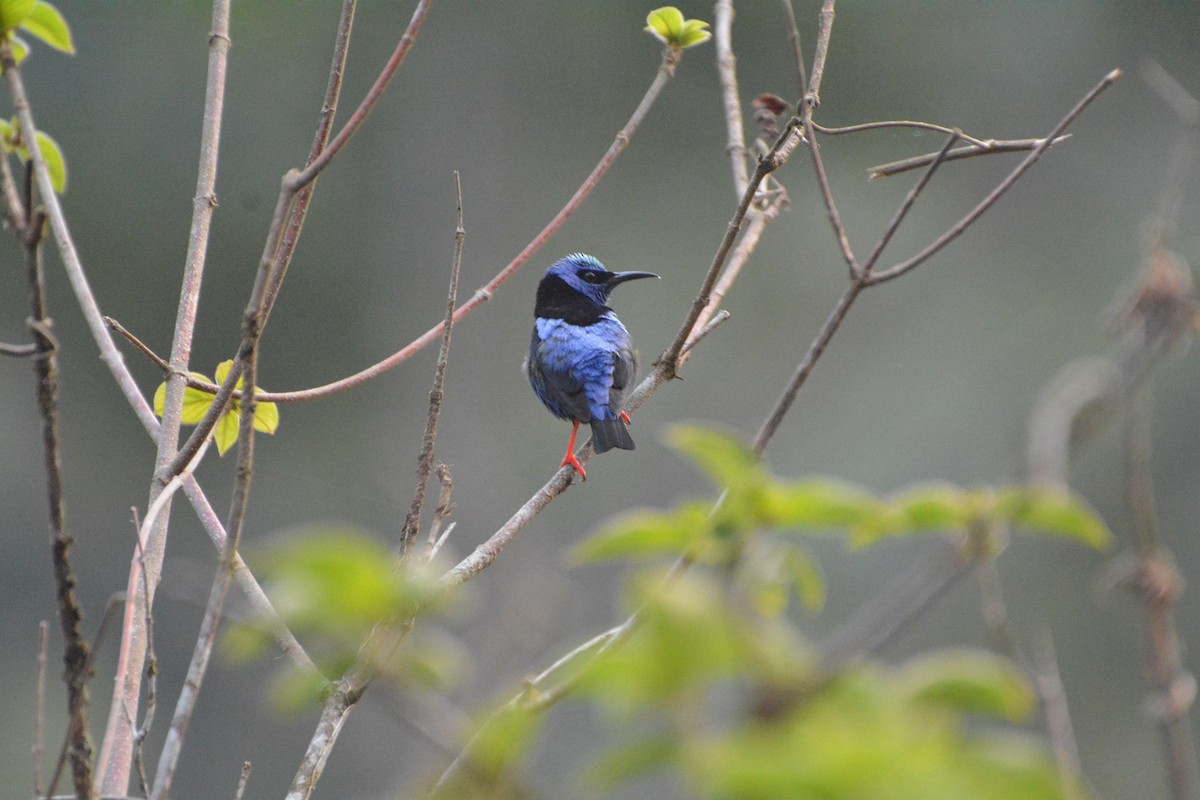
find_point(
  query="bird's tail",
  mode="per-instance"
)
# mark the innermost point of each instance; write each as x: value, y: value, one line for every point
x: 610, y: 433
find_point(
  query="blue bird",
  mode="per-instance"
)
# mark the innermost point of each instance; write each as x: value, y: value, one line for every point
x: 581, y: 363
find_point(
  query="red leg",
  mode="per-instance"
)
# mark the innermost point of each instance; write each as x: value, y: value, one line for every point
x: 569, y: 459
x: 625, y: 417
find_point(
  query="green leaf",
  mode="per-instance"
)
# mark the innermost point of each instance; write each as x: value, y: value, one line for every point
x: 816, y: 504
x: 225, y: 433
x: 504, y: 739
x: 20, y: 49
x: 223, y: 373
x: 629, y: 761
x: 934, y: 507
x: 295, y: 690
x: 46, y: 23
x: 339, y: 581
x: 266, y: 417
x: 668, y: 26
x: 55, y: 163
x: 14, y: 12
x: 806, y: 579
x: 645, y: 533
x: 1054, y: 512
x: 195, y: 401
x: 721, y: 456
x: 970, y: 681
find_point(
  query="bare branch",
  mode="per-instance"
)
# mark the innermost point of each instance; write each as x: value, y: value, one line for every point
x: 70, y: 613
x: 412, y: 522
x: 116, y: 753
x: 39, y: 712
x: 907, y: 205
x: 813, y: 98
x: 990, y: 147
x: 831, y: 210
x: 18, y: 350
x: 959, y: 227
x: 333, y: 90
x: 243, y: 779
x: 797, y: 50
x: 441, y: 514
x: 727, y: 72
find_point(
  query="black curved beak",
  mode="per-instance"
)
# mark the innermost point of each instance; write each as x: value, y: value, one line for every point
x: 621, y: 277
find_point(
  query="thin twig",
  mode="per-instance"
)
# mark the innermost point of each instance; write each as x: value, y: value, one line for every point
x: 905, y: 123
x: 959, y: 227
x: 710, y: 326
x: 831, y: 209
x: 189, y: 694
x: 412, y: 523
x: 243, y: 779
x: 668, y: 362
x: 885, y: 615
x: 797, y: 50
x: 333, y: 90
x: 70, y: 612
x: 990, y: 147
x: 806, y: 365
x: 18, y: 350
x: 824, y: 32
x: 735, y: 145
x: 39, y: 708
x: 1047, y: 682
x: 141, y: 731
x: 441, y: 514
x: 1160, y: 587
x: 907, y: 205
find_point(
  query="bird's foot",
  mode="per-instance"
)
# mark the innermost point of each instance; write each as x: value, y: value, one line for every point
x: 625, y: 417
x: 569, y: 460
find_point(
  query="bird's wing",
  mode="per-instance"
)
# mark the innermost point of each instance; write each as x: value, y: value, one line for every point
x: 623, y: 372
x: 555, y: 379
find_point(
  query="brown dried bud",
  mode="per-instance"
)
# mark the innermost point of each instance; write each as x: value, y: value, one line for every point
x: 767, y: 108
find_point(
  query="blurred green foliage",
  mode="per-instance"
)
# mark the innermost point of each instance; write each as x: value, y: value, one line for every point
x: 711, y: 637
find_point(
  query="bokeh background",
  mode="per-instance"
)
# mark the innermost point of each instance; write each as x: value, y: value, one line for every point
x: 931, y: 378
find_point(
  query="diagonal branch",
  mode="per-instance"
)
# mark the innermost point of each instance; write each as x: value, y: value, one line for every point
x: 969, y: 219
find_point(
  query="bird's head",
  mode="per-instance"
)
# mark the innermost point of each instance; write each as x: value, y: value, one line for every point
x: 587, y: 276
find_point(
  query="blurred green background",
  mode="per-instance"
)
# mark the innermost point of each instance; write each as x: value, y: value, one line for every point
x: 931, y: 378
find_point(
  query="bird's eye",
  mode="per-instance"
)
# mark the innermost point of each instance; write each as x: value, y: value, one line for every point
x: 591, y: 276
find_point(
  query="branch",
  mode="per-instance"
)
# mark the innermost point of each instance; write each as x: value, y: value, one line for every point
x: 797, y: 51
x: 987, y: 148
x: 116, y: 753
x: 412, y: 522
x: 189, y: 694
x: 1160, y: 587
x: 727, y: 73
x: 70, y: 612
x: 959, y: 227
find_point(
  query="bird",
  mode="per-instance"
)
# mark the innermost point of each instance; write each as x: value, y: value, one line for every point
x: 581, y: 362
